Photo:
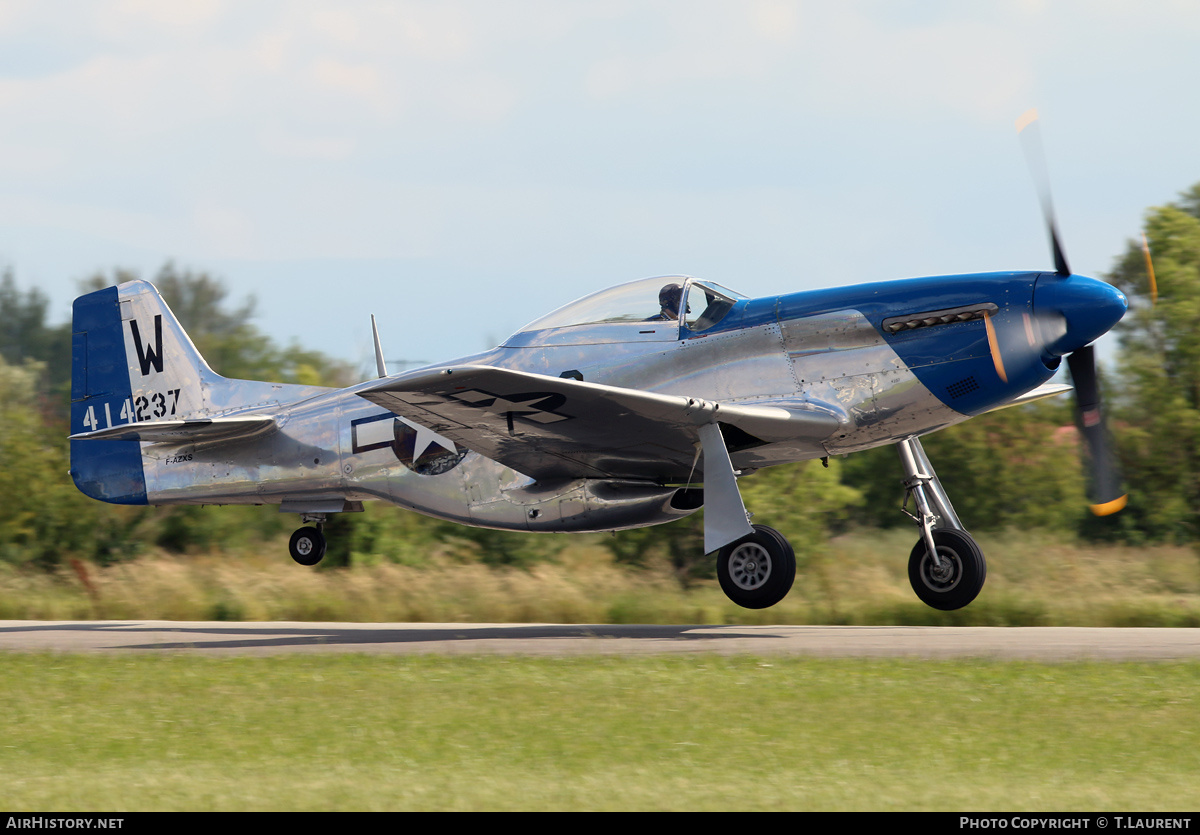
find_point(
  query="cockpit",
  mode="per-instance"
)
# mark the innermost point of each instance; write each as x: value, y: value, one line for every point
x: 650, y: 308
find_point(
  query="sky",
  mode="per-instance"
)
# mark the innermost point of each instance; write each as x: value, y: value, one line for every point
x: 460, y: 168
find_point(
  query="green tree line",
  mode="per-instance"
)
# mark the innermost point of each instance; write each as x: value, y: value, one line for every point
x: 1014, y: 468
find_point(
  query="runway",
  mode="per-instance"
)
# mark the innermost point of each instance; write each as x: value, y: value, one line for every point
x: 219, y: 638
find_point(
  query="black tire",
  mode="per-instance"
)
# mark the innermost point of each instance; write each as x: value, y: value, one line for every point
x: 307, y: 546
x: 961, y: 579
x: 757, y: 571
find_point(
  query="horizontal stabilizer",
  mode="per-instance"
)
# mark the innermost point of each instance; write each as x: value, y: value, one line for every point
x: 193, y: 430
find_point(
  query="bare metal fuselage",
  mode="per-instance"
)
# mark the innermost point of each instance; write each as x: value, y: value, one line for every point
x: 605, y: 411
x: 317, y: 457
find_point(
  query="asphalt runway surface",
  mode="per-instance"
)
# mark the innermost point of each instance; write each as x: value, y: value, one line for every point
x: 219, y: 638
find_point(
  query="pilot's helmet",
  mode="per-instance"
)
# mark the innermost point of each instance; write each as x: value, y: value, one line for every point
x: 668, y: 297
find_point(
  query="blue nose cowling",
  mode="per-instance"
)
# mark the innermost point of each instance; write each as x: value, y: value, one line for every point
x: 1089, y: 306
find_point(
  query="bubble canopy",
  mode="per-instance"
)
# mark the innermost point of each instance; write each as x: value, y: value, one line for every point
x: 637, y: 301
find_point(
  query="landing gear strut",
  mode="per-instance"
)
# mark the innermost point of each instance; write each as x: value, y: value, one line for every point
x: 946, y: 567
x: 307, y: 545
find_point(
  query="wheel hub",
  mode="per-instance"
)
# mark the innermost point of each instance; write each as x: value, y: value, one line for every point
x: 750, y: 566
x: 304, y: 546
x: 942, y: 577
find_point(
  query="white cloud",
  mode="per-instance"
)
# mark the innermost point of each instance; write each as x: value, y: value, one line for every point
x: 775, y: 19
x: 271, y: 50
x: 943, y: 67
x: 176, y: 16
x: 279, y: 142
x: 361, y: 81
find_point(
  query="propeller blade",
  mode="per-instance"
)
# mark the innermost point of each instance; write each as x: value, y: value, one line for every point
x: 994, y: 346
x: 1104, y: 478
x: 1035, y: 157
x: 1150, y: 271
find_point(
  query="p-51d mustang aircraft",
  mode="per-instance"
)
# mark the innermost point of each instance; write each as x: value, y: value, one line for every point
x: 633, y: 406
x: 606, y: 414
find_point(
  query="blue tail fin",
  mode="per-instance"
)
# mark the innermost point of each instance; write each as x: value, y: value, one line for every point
x: 100, y: 389
x: 131, y: 362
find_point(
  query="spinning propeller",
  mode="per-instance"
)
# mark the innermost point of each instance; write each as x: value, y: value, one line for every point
x: 1070, y: 311
x: 1150, y: 279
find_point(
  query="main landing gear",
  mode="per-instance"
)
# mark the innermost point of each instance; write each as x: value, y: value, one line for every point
x: 954, y: 578
x: 757, y: 570
x: 307, y: 545
x: 946, y: 567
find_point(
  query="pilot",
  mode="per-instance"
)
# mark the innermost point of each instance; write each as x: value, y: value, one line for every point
x: 668, y: 300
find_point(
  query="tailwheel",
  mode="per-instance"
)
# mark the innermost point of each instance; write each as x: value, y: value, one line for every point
x: 757, y: 570
x: 307, y: 546
x: 955, y: 578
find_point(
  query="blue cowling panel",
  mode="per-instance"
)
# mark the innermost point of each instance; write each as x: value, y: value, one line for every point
x: 110, y: 471
x: 952, y: 361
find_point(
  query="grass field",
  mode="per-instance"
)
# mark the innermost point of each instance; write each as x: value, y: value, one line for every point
x: 1033, y: 580
x: 130, y: 732
x: 127, y: 733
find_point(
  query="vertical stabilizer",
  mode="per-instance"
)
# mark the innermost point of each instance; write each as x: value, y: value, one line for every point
x: 131, y: 362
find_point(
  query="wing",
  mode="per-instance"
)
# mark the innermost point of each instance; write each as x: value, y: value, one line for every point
x: 551, y: 427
